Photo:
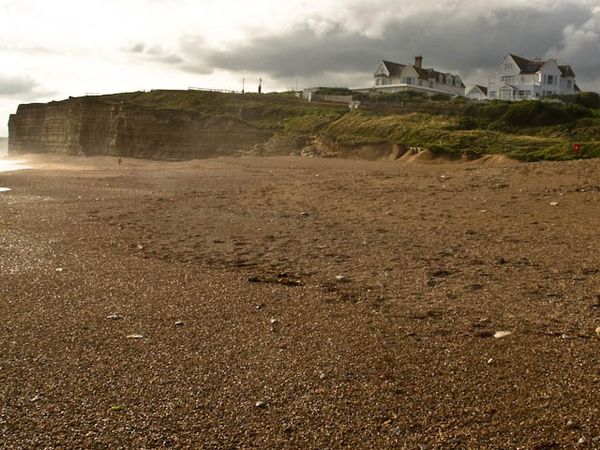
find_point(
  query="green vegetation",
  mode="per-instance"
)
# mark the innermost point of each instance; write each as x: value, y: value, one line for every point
x: 528, y: 130
x: 281, y: 112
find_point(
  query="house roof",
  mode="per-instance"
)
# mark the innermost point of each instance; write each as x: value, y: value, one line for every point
x: 577, y: 88
x: 393, y: 68
x: 528, y: 67
x: 567, y: 71
x: 482, y: 88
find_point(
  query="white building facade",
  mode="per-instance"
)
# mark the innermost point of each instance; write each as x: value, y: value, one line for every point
x: 519, y: 78
x: 477, y: 93
x: 391, y: 77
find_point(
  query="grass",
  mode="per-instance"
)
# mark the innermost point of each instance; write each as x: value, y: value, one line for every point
x: 530, y: 130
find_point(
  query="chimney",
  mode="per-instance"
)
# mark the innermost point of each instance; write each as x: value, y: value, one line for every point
x: 418, y: 61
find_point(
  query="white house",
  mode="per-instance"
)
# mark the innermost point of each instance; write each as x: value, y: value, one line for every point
x: 518, y: 78
x: 478, y: 93
x: 391, y: 77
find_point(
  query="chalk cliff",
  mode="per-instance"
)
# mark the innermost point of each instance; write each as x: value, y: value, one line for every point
x: 99, y: 126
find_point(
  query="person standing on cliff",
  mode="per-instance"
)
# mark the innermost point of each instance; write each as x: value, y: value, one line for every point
x: 120, y: 160
x: 259, y: 85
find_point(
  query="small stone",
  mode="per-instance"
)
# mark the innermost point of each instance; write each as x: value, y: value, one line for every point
x: 179, y: 323
x: 581, y: 441
x: 59, y: 269
x: 340, y: 278
x: 322, y: 376
x: 35, y: 398
x: 261, y: 404
x: 114, y: 317
x: 135, y: 336
x: 304, y: 214
x: 598, y: 331
x: 502, y: 334
x: 553, y: 203
x: 573, y: 425
x: 483, y: 211
x: 490, y: 361
x: 398, y: 431
x: 274, y: 321
x: 140, y: 247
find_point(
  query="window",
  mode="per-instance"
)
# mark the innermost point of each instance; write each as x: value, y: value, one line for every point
x: 431, y: 84
x: 492, y: 94
x: 408, y: 80
x: 507, y: 79
x: 569, y: 85
x: 549, y: 79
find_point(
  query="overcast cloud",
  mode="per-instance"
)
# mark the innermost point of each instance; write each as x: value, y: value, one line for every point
x: 55, y: 49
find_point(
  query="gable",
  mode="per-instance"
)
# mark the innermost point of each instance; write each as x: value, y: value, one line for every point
x: 550, y: 67
x: 392, y: 68
x: 382, y: 70
x: 567, y: 71
x: 410, y: 72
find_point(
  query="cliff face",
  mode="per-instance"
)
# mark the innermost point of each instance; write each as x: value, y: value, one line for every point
x: 93, y: 127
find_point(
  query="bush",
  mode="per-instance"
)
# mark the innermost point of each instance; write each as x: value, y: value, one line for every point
x: 440, y: 97
x: 589, y: 100
x: 488, y: 111
x: 333, y: 91
x: 540, y: 114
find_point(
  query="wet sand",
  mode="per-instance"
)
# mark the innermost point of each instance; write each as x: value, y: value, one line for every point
x: 293, y: 302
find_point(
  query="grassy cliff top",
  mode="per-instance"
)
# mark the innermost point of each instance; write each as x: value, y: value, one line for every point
x: 529, y: 130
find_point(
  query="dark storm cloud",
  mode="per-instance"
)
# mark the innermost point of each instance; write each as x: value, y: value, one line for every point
x: 155, y: 53
x: 461, y: 41
x: 16, y: 85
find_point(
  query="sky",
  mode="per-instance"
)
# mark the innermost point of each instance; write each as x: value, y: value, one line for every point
x: 50, y: 50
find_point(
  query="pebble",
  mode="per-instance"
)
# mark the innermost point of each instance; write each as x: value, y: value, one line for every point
x: 322, y: 376
x: 581, y: 441
x: 573, y: 425
x: 59, y: 269
x: 261, y: 404
x: 35, y: 398
x: 553, y: 203
x: 179, y: 323
x: 502, y: 334
x: 490, y: 361
x: 135, y: 336
x: 114, y: 317
x: 340, y: 278
x: 598, y: 331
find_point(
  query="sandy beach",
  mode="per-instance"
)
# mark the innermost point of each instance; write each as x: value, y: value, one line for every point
x: 292, y: 302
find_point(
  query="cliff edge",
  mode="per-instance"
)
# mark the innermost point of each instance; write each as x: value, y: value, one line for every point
x: 109, y: 126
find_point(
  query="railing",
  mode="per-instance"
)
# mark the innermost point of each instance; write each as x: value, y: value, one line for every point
x: 222, y: 91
